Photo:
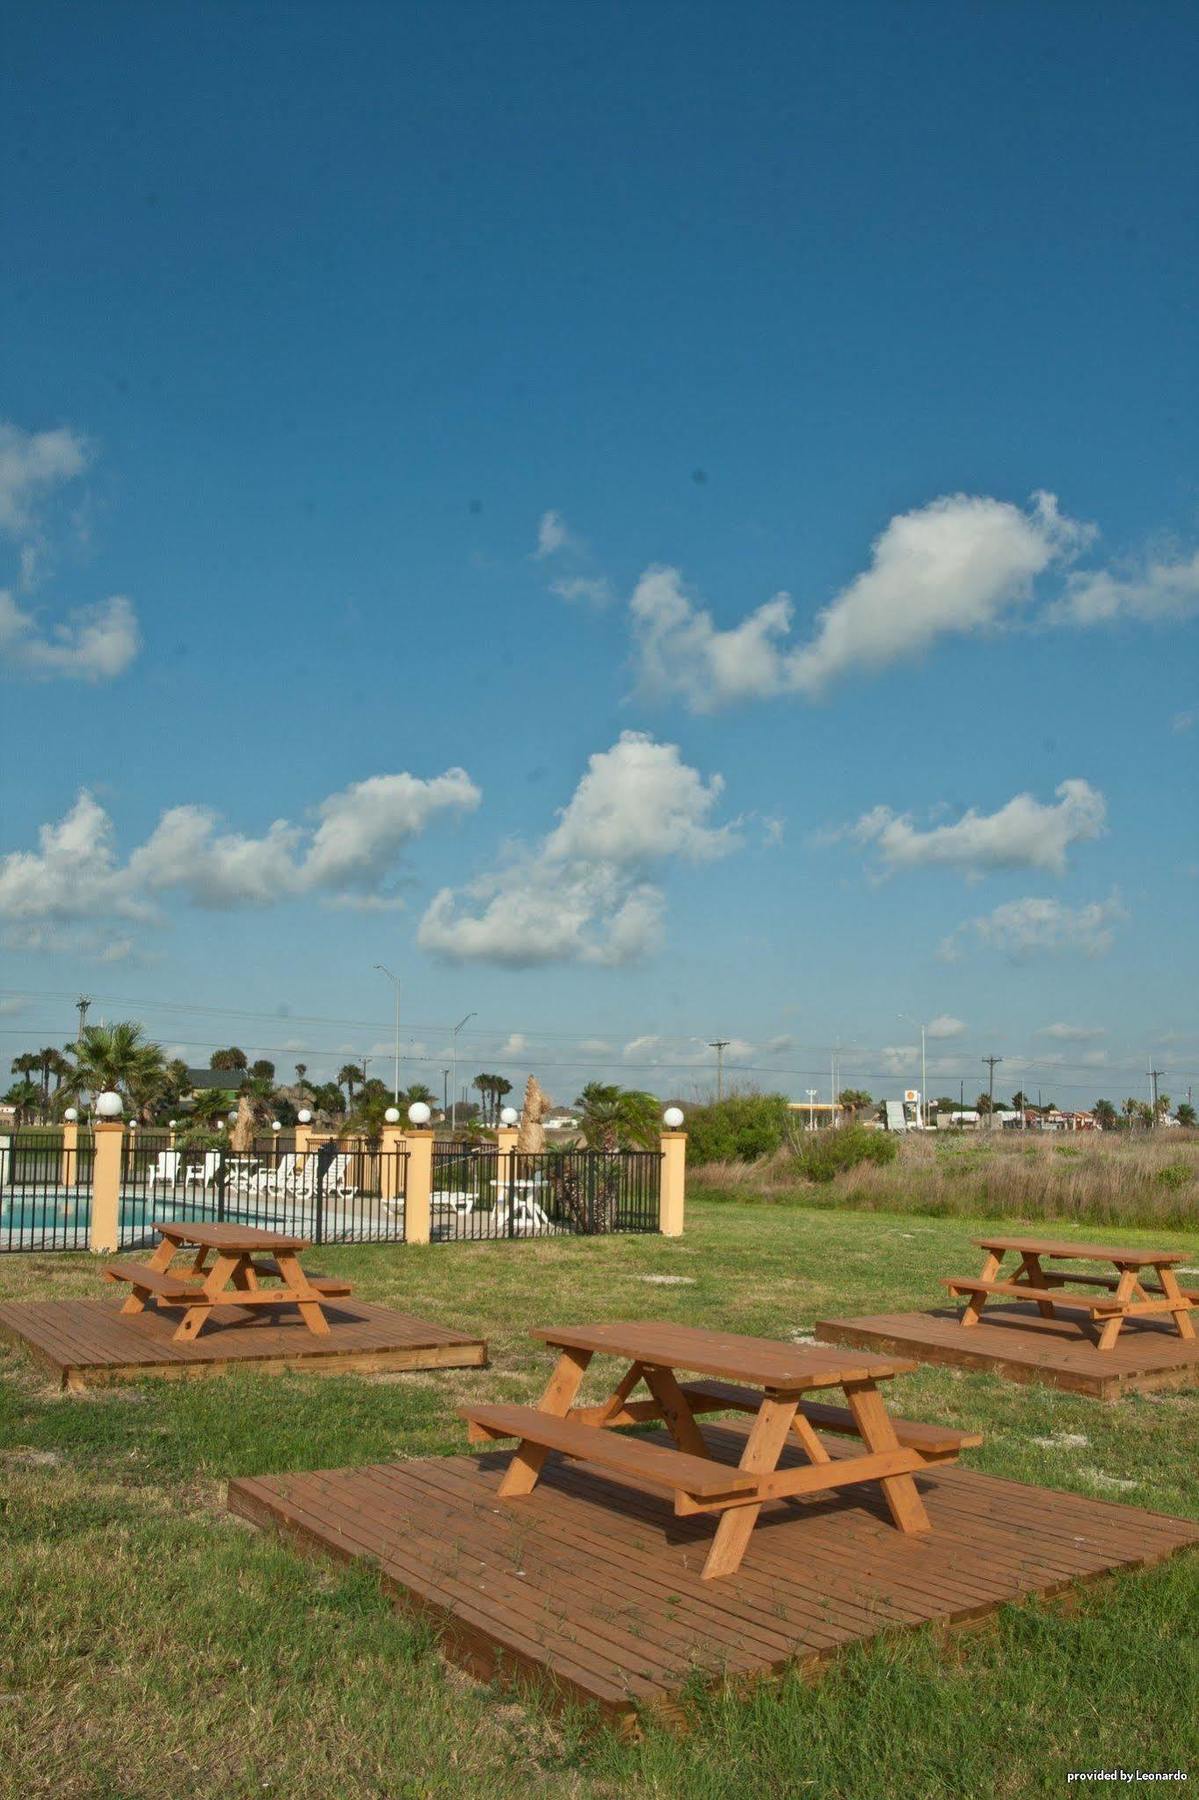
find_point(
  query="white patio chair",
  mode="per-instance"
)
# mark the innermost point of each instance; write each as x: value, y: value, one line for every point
x: 337, y: 1179
x: 165, y: 1172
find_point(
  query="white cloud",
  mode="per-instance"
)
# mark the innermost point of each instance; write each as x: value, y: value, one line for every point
x: 94, y: 643
x: 1157, y: 590
x: 553, y: 535
x: 583, y: 893
x: 10, y: 1004
x: 956, y: 565
x: 516, y: 1044
x: 1072, y: 1034
x: 1023, y: 834
x: 75, y: 873
x: 1021, y: 928
x: 595, y: 590
x: 1184, y: 721
x: 944, y: 1026
x: 32, y: 465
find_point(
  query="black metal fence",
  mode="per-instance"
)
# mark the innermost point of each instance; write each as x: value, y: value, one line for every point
x: 349, y: 1193
x: 480, y: 1193
x: 45, y: 1192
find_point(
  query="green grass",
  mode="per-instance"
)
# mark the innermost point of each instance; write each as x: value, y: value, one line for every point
x: 149, y: 1643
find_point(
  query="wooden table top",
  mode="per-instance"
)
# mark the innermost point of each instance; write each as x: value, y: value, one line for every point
x: 762, y: 1362
x: 209, y: 1236
x: 1083, y: 1252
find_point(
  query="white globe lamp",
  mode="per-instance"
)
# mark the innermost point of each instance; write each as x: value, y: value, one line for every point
x: 419, y: 1113
x: 108, y: 1105
x: 672, y: 1118
x: 70, y: 1115
x: 276, y: 1125
x: 392, y: 1116
x: 173, y: 1123
x: 509, y: 1116
x: 304, y: 1116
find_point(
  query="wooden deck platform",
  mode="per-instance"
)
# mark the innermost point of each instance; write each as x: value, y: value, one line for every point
x: 593, y: 1587
x: 1016, y: 1342
x: 89, y: 1342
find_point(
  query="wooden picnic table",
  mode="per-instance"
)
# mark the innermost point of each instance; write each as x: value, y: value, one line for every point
x: 1127, y: 1296
x: 752, y: 1375
x: 242, y: 1257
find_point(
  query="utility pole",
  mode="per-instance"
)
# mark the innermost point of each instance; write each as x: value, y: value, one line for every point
x: 720, y: 1046
x: 445, y: 1092
x: 1153, y: 1075
x: 990, y: 1062
x: 81, y: 1007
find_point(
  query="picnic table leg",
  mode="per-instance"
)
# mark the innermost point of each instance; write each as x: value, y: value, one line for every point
x: 1182, y: 1312
x: 160, y: 1260
x: 1125, y: 1288
x: 1031, y: 1266
x: 976, y: 1302
x: 297, y: 1287
x: 680, y: 1420
x: 874, y: 1425
x: 763, y: 1447
x: 520, y: 1477
x: 193, y: 1320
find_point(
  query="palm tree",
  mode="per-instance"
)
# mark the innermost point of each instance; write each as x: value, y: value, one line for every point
x: 209, y: 1106
x: 502, y: 1088
x: 418, y: 1092
x: 119, y: 1059
x: 348, y: 1076
x: 615, y: 1116
x: 301, y: 1071
x: 232, y: 1058
x: 24, y: 1097
x: 26, y: 1065
x: 486, y: 1086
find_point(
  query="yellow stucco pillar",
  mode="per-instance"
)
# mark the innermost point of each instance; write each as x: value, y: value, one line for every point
x: 68, y: 1173
x: 391, y: 1171
x: 672, y: 1193
x: 417, y: 1206
x: 505, y: 1162
x: 303, y: 1137
x: 109, y: 1139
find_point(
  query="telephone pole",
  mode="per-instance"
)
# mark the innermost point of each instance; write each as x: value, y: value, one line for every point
x: 81, y: 1007
x: 720, y: 1046
x: 990, y: 1062
x: 1153, y: 1075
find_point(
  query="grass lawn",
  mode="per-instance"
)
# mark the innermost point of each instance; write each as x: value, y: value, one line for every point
x: 150, y: 1644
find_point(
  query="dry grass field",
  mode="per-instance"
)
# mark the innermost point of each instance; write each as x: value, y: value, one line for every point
x: 1149, y: 1180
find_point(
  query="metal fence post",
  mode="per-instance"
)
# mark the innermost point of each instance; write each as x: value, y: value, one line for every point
x: 108, y: 1160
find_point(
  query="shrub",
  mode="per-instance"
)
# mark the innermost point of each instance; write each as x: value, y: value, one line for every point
x: 738, y: 1129
x: 829, y: 1153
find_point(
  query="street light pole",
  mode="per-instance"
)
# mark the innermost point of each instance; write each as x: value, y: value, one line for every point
x: 454, y: 1062
x: 395, y: 982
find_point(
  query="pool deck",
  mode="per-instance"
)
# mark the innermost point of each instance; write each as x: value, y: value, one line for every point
x: 88, y: 1343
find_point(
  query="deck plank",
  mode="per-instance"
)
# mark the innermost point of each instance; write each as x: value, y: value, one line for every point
x: 1017, y: 1343
x: 89, y: 1342
x: 592, y: 1582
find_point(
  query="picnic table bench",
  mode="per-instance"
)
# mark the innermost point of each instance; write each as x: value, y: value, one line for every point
x: 1126, y: 1294
x: 243, y: 1256
x: 753, y: 1375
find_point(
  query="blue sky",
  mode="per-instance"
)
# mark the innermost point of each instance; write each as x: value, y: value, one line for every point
x: 393, y: 392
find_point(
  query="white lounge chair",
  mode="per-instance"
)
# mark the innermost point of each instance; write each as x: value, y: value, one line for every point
x: 165, y: 1172
x: 522, y: 1216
